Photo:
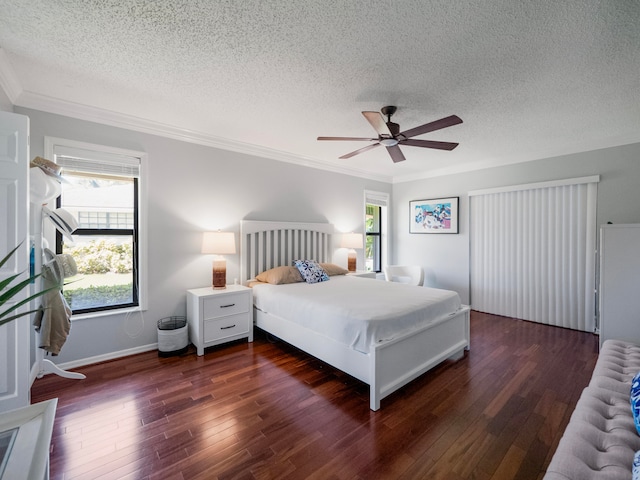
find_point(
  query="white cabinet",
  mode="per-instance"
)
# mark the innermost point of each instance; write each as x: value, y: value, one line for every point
x: 26, y: 436
x: 619, y: 297
x: 219, y: 316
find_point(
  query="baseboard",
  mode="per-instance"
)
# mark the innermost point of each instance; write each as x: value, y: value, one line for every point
x: 106, y: 357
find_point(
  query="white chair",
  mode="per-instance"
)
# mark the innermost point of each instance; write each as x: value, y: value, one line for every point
x: 409, y: 274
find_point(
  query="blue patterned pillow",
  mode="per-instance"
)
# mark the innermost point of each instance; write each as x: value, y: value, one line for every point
x: 311, y: 271
x: 636, y: 466
x: 635, y: 400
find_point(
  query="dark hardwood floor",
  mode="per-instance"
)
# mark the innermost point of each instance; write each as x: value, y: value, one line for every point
x: 266, y: 410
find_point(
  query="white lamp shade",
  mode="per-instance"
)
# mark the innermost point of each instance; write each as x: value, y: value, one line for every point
x: 352, y: 240
x: 219, y: 243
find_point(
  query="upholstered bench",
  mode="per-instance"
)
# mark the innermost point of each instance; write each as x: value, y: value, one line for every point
x: 601, y: 438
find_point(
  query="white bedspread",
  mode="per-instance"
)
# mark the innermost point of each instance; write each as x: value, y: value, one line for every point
x: 356, y: 311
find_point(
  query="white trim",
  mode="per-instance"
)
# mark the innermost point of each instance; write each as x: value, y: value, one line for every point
x: 50, y: 143
x: 66, y: 145
x: 137, y: 124
x: 381, y: 197
x: 107, y: 313
x: 532, y: 186
x: 82, y: 362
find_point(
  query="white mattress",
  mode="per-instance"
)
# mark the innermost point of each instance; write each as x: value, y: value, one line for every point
x: 357, y: 312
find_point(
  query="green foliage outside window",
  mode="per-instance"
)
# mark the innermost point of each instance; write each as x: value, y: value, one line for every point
x: 98, y: 260
x: 101, y: 256
x: 104, y: 295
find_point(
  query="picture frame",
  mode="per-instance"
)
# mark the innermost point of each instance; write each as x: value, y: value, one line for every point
x: 435, y: 215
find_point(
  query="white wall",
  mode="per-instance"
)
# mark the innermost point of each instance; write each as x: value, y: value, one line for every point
x: 5, y: 103
x: 446, y: 257
x: 193, y: 188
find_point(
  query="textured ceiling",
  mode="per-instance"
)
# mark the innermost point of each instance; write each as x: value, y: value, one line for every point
x: 529, y: 79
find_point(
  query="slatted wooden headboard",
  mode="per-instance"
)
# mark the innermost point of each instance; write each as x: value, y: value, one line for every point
x: 264, y: 245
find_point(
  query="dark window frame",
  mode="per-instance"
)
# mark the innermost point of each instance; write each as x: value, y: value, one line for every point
x: 128, y: 232
x: 377, y: 238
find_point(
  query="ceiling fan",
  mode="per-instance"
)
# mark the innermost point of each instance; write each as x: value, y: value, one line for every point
x: 390, y: 136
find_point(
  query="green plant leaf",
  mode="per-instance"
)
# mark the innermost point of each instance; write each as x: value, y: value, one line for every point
x: 14, y: 290
x: 8, y: 292
x: 23, y: 302
x: 8, y: 256
x: 9, y: 319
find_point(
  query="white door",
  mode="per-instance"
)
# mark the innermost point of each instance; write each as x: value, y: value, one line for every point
x: 14, y: 221
x: 619, y: 277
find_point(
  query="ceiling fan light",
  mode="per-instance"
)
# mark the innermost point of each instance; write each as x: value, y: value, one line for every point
x: 389, y: 142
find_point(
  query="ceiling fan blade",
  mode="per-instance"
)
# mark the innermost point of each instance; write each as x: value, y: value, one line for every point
x: 353, y: 139
x: 360, y: 150
x: 429, y: 144
x: 430, y: 127
x: 396, y: 154
x: 377, y: 122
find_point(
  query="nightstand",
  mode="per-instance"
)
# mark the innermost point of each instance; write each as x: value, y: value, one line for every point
x: 219, y: 316
x: 362, y: 274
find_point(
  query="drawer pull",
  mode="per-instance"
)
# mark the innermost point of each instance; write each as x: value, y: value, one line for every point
x: 227, y: 306
x: 226, y: 328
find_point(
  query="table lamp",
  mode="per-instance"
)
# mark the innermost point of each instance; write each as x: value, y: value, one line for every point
x: 351, y: 241
x: 219, y: 243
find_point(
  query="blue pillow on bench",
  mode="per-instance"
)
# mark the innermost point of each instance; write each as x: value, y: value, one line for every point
x: 635, y: 400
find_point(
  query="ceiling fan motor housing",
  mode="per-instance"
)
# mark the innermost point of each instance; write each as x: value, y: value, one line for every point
x: 394, y: 128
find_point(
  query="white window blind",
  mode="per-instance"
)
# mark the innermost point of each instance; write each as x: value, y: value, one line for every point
x: 102, y: 163
x: 380, y: 199
x: 533, y: 252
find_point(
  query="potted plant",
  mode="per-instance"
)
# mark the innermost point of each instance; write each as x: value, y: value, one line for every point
x: 8, y: 291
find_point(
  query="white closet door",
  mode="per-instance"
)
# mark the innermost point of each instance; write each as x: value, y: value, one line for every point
x: 14, y: 219
x: 533, y: 252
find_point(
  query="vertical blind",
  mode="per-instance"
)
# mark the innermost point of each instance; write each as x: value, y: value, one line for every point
x: 533, y: 252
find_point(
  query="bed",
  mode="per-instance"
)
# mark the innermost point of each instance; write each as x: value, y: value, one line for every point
x: 384, y: 360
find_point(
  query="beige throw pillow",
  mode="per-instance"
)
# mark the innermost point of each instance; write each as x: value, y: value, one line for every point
x: 280, y: 275
x: 333, y: 269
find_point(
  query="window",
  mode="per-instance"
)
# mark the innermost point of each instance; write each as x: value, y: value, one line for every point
x: 373, y: 244
x: 102, y: 191
x: 375, y: 230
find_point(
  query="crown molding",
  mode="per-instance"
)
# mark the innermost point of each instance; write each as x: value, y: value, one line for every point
x: 19, y: 97
x: 57, y: 106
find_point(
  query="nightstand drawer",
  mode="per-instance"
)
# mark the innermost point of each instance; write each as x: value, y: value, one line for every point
x: 223, y: 305
x: 221, y: 328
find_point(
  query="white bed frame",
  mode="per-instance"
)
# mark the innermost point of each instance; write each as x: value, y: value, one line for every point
x: 389, y: 365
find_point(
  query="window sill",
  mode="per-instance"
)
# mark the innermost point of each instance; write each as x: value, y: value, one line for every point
x: 107, y: 313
